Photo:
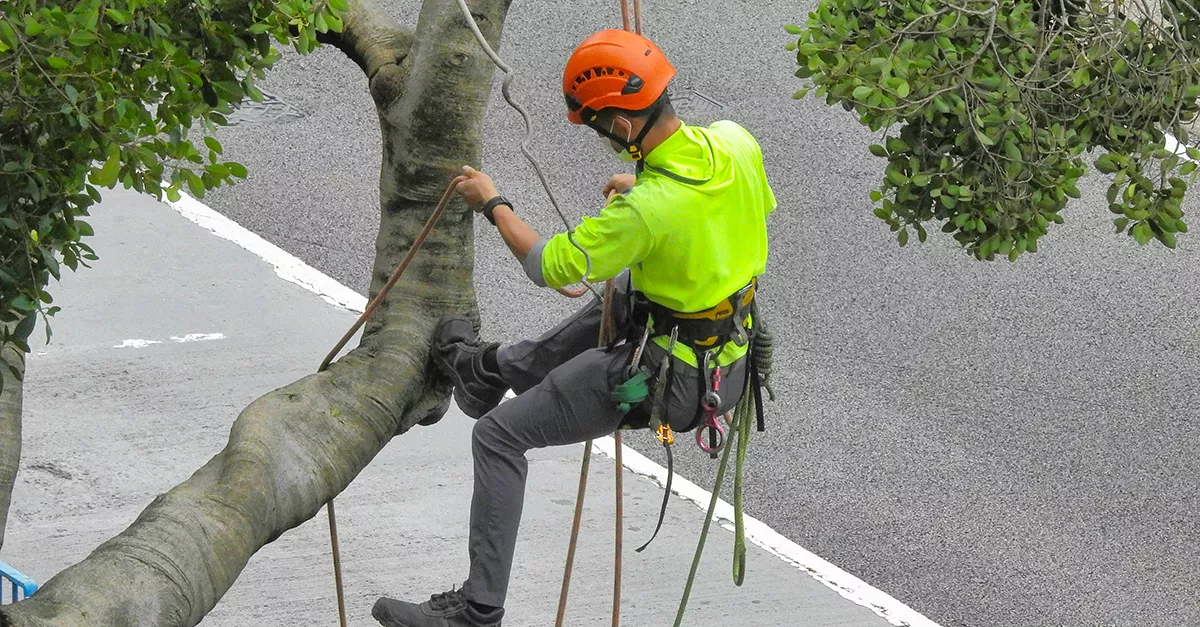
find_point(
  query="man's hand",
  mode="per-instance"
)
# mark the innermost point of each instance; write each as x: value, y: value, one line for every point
x: 476, y: 187
x: 619, y: 184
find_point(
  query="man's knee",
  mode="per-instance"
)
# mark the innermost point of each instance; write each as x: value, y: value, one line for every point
x: 488, y: 436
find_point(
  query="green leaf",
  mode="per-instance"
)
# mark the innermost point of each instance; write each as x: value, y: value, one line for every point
x: 984, y: 139
x: 896, y: 176
x: 1167, y: 239
x: 213, y: 144
x: 237, y: 170
x: 118, y: 16
x: 1142, y: 233
x: 878, y: 150
x: 790, y: 28
x: 800, y: 94
x: 82, y: 38
x: 8, y: 37
x: 51, y: 263
x: 1120, y: 224
x: 106, y: 176
x: 57, y: 63
x: 903, y: 89
x: 72, y: 94
x: 85, y: 229
x: 339, y: 5
x: 862, y: 92
x: 25, y: 328
x: 902, y: 236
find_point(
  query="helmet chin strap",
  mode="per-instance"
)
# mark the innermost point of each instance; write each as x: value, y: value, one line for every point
x: 634, y: 146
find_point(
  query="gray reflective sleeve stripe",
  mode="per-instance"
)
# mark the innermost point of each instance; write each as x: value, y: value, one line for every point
x: 533, y: 264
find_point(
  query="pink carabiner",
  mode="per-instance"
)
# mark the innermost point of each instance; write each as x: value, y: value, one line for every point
x: 711, y: 424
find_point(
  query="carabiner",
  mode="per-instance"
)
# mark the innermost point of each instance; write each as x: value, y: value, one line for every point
x: 716, y: 435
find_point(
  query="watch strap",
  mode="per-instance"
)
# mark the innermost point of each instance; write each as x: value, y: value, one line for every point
x: 491, y: 205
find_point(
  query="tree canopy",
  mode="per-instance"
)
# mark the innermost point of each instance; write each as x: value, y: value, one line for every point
x: 1000, y: 103
x: 95, y: 93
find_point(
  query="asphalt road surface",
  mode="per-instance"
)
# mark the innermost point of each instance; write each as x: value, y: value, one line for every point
x: 991, y: 443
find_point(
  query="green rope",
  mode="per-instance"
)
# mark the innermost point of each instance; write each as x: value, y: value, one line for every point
x: 739, y: 510
x: 740, y: 429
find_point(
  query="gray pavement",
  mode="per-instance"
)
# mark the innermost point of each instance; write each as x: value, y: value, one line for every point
x: 109, y: 426
x: 993, y: 444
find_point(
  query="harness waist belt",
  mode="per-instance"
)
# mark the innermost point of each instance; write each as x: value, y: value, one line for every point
x: 706, y: 329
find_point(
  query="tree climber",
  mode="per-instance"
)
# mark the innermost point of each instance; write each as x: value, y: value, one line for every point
x: 685, y: 239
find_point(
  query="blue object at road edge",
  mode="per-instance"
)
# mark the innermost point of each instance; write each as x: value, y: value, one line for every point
x: 22, y: 587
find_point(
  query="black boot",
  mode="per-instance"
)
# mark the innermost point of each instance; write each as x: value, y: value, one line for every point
x: 449, y: 609
x: 462, y: 358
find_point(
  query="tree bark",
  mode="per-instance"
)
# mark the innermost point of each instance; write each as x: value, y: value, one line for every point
x: 295, y: 448
x: 10, y: 433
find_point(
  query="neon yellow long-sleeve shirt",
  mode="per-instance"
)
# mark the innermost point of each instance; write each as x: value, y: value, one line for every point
x: 688, y: 245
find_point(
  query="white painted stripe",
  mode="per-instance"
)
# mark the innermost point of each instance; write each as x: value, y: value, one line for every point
x: 848, y: 586
x: 287, y: 266
x: 197, y: 337
x: 134, y: 343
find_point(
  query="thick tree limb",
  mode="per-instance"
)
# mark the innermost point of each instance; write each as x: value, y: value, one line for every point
x: 10, y: 432
x: 369, y: 37
x: 294, y: 449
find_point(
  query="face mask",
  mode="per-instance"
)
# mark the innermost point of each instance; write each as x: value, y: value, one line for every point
x: 622, y: 153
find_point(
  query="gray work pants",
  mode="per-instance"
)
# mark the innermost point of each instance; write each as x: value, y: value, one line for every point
x: 563, y: 385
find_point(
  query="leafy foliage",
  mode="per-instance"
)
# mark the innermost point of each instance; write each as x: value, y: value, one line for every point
x: 94, y: 92
x: 998, y: 100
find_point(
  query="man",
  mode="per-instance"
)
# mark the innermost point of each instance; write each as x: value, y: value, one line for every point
x: 689, y: 229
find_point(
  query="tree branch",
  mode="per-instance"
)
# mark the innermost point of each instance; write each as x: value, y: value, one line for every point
x: 10, y: 430
x: 369, y: 37
x: 294, y: 449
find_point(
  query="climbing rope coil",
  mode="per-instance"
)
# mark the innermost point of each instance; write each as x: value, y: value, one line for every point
x: 759, y: 358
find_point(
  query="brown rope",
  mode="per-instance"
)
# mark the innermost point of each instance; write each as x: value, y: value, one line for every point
x: 371, y: 307
x: 620, y: 532
x: 607, y: 331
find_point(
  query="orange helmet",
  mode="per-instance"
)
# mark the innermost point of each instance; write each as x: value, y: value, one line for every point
x: 614, y: 68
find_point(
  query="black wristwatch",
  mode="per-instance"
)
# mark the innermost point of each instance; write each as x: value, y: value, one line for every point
x: 490, y: 205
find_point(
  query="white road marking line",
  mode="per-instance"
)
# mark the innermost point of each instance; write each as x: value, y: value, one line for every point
x: 848, y: 586
x: 136, y: 343
x: 197, y: 337
x: 287, y: 266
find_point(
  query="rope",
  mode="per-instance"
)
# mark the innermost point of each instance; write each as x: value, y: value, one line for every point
x: 371, y: 307
x: 607, y: 331
x: 509, y: 75
x: 739, y: 430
